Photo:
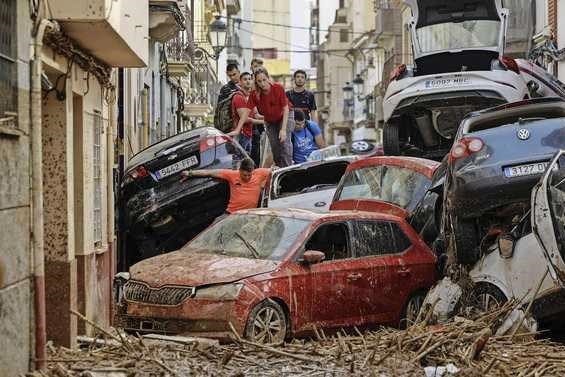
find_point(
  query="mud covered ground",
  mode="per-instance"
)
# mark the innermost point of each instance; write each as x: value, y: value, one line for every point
x: 465, y: 346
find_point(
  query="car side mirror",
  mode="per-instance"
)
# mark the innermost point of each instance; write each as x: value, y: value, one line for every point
x: 506, y: 243
x: 313, y: 257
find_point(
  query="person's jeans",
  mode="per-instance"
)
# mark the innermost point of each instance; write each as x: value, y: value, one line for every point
x: 282, y: 152
x: 245, y: 142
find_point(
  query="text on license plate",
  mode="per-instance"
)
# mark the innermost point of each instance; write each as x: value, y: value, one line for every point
x: 176, y: 167
x: 447, y: 82
x: 526, y: 169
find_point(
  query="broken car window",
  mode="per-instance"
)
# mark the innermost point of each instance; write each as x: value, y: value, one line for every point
x: 450, y: 35
x: 392, y: 184
x: 249, y: 236
x: 331, y: 239
x: 299, y: 181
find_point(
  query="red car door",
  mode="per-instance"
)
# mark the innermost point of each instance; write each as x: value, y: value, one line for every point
x: 332, y: 289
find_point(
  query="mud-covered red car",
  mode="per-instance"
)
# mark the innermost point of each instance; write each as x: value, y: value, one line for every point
x: 274, y: 274
x: 158, y: 212
x: 392, y: 184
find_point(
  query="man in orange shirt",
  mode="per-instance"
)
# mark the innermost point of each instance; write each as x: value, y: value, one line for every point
x: 245, y: 185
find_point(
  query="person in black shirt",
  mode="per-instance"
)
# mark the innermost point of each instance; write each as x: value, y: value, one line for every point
x: 301, y: 98
x: 232, y: 70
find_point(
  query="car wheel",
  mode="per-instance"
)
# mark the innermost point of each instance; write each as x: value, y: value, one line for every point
x: 267, y: 323
x: 412, y: 309
x: 391, y: 139
x: 486, y: 297
x: 466, y: 241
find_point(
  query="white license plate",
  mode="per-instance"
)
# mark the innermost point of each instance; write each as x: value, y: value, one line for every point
x: 526, y: 169
x: 447, y: 82
x: 176, y: 167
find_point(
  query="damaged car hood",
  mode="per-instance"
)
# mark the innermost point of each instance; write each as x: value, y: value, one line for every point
x: 194, y: 269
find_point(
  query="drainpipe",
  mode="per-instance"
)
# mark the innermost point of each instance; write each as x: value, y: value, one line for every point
x: 37, y: 196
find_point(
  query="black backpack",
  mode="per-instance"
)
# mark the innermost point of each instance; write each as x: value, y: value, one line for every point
x: 223, y: 117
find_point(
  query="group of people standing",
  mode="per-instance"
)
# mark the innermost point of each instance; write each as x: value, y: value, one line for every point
x: 259, y: 105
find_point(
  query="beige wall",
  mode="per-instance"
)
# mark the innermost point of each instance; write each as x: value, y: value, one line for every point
x: 274, y: 12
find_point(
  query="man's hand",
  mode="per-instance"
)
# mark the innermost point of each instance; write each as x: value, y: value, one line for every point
x: 185, y: 174
x: 282, y: 136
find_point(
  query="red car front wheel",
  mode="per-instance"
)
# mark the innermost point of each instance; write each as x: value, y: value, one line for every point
x: 267, y: 323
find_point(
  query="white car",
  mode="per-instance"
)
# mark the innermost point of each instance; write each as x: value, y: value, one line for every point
x: 310, y: 185
x: 528, y: 263
x: 459, y: 67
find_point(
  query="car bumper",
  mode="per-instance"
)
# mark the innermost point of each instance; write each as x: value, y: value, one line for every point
x: 478, y: 189
x: 210, y: 319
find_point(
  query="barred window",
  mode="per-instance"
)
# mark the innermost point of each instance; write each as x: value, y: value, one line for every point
x: 7, y: 56
x: 97, y: 178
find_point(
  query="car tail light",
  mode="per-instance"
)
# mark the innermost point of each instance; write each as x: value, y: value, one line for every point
x: 510, y: 64
x: 465, y: 147
x: 213, y: 141
x: 138, y: 172
x: 397, y: 72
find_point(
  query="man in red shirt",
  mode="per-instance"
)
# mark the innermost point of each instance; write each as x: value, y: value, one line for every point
x: 245, y: 185
x: 271, y: 101
x: 243, y: 114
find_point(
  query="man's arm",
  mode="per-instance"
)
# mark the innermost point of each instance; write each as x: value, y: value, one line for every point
x: 214, y: 173
x: 243, y: 113
x: 282, y: 134
x: 314, y: 116
x: 320, y: 141
x: 257, y: 121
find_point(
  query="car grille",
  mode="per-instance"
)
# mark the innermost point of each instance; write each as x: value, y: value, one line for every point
x: 168, y: 295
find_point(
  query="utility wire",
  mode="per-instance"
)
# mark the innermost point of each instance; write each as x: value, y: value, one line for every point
x: 290, y: 26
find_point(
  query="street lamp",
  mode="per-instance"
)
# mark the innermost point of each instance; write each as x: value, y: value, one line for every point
x: 217, y: 34
x: 348, y: 92
x: 358, y: 84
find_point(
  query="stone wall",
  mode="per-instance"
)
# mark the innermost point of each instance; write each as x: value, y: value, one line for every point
x: 16, y: 298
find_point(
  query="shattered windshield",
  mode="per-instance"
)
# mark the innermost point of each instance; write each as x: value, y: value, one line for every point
x: 400, y: 186
x: 453, y: 36
x: 250, y: 236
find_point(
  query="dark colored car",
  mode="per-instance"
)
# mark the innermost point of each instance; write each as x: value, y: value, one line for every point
x: 498, y: 155
x: 158, y: 213
x: 272, y: 274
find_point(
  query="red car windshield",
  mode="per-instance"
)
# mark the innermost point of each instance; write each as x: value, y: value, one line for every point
x: 392, y: 184
x: 250, y: 236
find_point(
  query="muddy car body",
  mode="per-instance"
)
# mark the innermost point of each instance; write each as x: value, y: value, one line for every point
x: 310, y: 185
x: 498, y: 156
x: 459, y: 67
x: 392, y: 184
x: 158, y: 212
x: 300, y: 271
x: 527, y: 263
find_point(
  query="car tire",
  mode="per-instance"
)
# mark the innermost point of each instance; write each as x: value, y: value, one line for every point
x: 391, y: 139
x: 267, y: 323
x: 486, y: 296
x: 466, y: 241
x: 411, y: 309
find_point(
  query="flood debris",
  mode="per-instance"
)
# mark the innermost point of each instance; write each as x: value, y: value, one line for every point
x: 443, y: 300
x: 469, y: 346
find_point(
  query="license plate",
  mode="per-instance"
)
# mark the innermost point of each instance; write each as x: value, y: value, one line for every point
x: 447, y: 82
x: 176, y: 167
x: 526, y: 169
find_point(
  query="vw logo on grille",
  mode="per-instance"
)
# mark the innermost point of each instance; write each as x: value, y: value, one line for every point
x: 523, y: 134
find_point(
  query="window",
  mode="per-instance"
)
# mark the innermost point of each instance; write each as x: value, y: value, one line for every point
x: 7, y: 56
x: 97, y: 178
x: 344, y: 35
x: 332, y: 240
x: 393, y: 184
x: 379, y: 238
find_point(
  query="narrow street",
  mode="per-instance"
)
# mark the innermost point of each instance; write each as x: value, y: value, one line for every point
x: 283, y: 188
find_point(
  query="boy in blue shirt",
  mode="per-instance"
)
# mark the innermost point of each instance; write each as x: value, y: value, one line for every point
x: 306, y: 137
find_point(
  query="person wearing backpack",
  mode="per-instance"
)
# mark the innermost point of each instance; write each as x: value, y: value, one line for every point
x: 306, y: 137
x: 243, y: 114
x: 223, y: 119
